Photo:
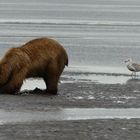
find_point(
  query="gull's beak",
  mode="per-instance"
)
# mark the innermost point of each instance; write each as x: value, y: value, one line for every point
x: 125, y: 61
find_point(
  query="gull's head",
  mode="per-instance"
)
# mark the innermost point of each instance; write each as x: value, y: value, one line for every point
x: 129, y: 60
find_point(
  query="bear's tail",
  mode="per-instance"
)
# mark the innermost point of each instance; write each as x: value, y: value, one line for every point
x: 67, y: 61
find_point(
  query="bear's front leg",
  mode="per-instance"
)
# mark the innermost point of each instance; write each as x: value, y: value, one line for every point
x: 11, y: 87
x: 14, y: 84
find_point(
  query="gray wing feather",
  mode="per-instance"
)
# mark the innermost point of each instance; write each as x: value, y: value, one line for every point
x: 134, y: 67
x: 137, y: 66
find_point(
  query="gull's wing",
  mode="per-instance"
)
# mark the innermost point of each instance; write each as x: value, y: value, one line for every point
x: 130, y: 67
x: 134, y: 67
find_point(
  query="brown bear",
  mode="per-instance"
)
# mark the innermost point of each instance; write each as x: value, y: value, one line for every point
x: 43, y: 57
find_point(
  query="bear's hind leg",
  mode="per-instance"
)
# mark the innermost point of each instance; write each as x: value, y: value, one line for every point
x: 52, y: 83
x: 53, y: 72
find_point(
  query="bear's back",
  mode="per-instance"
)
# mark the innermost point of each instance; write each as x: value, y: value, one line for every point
x: 43, y: 46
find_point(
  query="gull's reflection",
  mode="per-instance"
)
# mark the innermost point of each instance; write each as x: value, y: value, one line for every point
x: 133, y: 81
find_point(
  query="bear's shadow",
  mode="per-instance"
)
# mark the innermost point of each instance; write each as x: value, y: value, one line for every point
x: 36, y: 91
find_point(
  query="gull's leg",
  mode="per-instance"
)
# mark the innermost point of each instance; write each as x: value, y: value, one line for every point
x: 135, y: 74
x: 132, y: 74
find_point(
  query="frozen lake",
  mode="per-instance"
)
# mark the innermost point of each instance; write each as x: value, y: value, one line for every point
x: 60, y: 114
x: 97, y: 97
x: 98, y: 35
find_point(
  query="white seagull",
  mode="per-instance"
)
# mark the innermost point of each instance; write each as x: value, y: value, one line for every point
x: 134, y: 67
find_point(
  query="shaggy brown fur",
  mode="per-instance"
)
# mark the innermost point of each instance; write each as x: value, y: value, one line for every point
x: 42, y: 57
